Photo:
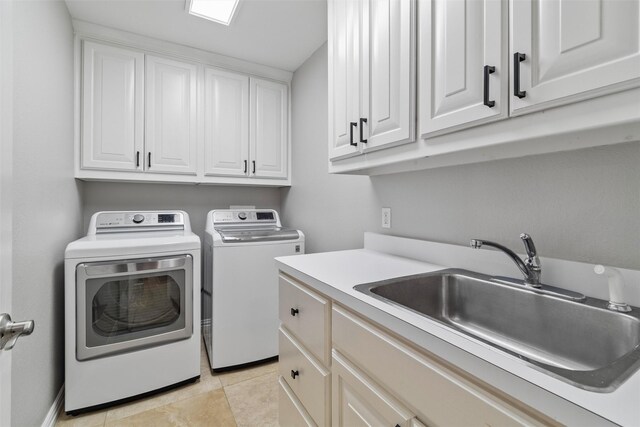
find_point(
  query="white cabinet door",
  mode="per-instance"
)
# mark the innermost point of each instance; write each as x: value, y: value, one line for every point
x: 358, y: 401
x: 268, y: 134
x: 171, y: 116
x: 226, y: 133
x: 572, y: 50
x: 463, y: 64
x: 344, y: 77
x: 388, y: 77
x: 112, y: 108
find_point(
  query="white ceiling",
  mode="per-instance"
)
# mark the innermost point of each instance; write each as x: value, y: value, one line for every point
x: 277, y: 33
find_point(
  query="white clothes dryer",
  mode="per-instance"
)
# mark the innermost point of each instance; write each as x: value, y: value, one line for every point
x: 132, y: 307
x: 240, y: 289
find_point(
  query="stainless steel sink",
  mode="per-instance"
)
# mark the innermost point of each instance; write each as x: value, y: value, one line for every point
x: 582, y: 343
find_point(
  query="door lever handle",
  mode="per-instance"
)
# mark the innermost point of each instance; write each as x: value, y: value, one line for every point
x: 10, y: 331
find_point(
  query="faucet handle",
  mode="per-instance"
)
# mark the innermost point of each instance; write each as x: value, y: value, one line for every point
x: 529, y: 246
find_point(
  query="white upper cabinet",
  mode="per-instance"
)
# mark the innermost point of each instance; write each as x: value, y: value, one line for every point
x: 112, y: 115
x: 569, y: 50
x: 388, y: 74
x: 226, y: 133
x: 344, y: 77
x: 371, y: 75
x: 178, y: 118
x: 268, y: 132
x: 463, y: 64
x: 171, y: 116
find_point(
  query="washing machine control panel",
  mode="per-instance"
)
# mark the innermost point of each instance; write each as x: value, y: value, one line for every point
x: 240, y: 216
x: 111, y: 220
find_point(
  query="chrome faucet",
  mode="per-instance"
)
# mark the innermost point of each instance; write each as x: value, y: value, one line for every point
x: 530, y: 267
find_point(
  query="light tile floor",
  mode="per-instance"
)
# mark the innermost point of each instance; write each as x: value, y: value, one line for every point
x: 247, y: 397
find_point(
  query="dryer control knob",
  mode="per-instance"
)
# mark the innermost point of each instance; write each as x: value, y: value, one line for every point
x: 138, y: 218
x: 242, y: 216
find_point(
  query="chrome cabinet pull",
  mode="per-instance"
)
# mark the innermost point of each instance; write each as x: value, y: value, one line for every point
x: 488, y: 69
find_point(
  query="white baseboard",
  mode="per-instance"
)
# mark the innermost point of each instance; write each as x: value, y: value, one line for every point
x: 52, y: 415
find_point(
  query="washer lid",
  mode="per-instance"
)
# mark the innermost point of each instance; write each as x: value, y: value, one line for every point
x: 249, y: 235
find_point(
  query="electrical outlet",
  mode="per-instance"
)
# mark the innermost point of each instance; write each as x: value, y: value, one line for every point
x: 386, y: 217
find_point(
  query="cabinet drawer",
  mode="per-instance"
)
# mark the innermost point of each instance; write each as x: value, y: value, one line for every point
x: 358, y: 401
x: 308, y: 380
x: 290, y: 410
x: 307, y: 315
x: 441, y: 394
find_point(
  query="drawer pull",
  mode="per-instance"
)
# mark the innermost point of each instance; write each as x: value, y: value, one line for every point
x: 294, y: 374
x: 294, y: 311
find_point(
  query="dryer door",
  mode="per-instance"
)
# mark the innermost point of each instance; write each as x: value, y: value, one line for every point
x: 130, y: 304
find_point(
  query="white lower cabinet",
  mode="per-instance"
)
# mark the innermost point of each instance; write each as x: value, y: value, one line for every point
x: 376, y: 379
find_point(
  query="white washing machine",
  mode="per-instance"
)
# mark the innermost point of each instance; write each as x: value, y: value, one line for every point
x: 240, y: 290
x: 132, y: 307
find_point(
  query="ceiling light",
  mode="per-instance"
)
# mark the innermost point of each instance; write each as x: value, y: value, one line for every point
x: 220, y: 11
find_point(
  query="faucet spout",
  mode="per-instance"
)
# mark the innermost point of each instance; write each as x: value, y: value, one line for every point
x: 530, y: 267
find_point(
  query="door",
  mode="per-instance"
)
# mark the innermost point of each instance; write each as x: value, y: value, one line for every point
x: 171, y: 116
x: 388, y: 75
x: 358, y: 401
x: 464, y: 70
x: 268, y: 129
x: 344, y: 77
x: 226, y: 132
x: 570, y: 50
x: 6, y: 159
x: 112, y: 108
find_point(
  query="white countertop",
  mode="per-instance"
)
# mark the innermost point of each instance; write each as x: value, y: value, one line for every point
x: 336, y: 273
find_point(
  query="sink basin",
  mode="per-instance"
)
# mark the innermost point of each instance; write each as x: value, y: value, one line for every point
x: 582, y: 343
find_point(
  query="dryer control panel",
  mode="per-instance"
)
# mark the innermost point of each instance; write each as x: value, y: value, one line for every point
x: 106, y: 222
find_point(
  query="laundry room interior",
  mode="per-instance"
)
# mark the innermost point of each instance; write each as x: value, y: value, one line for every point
x: 381, y: 141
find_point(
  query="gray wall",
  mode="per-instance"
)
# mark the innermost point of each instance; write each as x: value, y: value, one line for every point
x: 46, y: 199
x: 581, y: 205
x: 196, y: 200
x: 333, y: 211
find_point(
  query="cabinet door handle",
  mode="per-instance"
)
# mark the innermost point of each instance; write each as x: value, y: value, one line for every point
x: 137, y: 159
x: 245, y: 166
x: 294, y: 374
x: 362, y: 120
x: 253, y: 163
x: 488, y: 69
x: 294, y: 311
x: 517, y: 59
x: 352, y: 125
x: 149, y: 161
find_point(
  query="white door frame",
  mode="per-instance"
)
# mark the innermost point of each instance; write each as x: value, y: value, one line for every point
x: 6, y: 178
